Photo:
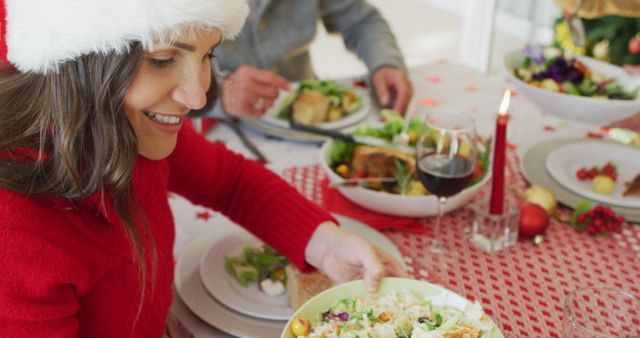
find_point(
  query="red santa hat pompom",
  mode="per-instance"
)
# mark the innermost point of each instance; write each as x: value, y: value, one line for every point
x: 39, y: 35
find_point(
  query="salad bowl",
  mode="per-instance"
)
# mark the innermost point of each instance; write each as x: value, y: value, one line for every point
x: 570, y: 104
x: 396, y: 204
x: 439, y: 297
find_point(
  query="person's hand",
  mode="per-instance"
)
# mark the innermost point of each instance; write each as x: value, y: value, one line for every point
x: 344, y: 256
x: 251, y: 90
x: 632, y: 123
x: 393, y: 88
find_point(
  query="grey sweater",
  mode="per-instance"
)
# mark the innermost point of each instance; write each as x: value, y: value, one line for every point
x: 277, y: 35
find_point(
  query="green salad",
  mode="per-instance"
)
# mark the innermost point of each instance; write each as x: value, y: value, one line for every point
x: 398, y: 314
x: 345, y: 161
x: 256, y: 264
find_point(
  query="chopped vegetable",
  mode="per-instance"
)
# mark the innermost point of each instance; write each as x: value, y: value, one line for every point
x: 257, y: 264
x: 399, y: 314
x: 549, y: 69
x: 300, y: 326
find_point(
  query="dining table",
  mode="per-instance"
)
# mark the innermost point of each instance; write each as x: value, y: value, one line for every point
x: 522, y: 288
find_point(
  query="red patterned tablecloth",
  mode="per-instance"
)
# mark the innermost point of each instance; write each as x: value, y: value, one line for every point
x: 522, y: 288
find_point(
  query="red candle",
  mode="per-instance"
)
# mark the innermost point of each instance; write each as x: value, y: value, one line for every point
x: 499, y: 149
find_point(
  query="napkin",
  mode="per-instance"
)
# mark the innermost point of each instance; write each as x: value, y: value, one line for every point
x: 333, y: 201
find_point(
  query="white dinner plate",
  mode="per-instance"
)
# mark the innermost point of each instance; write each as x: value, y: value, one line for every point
x: 271, y: 115
x: 191, y: 290
x: 533, y: 166
x: 250, y: 300
x: 564, y: 162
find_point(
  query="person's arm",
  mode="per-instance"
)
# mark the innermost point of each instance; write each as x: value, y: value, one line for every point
x: 245, y: 191
x: 35, y: 301
x: 366, y: 32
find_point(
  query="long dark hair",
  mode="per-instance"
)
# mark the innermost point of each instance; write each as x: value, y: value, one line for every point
x: 65, y: 134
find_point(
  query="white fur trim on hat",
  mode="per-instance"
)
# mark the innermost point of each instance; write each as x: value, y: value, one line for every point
x: 42, y: 34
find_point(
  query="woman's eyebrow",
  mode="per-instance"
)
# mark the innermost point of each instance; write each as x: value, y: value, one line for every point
x: 184, y: 46
x: 192, y: 48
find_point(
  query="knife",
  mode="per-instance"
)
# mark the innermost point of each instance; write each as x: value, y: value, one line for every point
x: 233, y: 123
x: 366, y: 140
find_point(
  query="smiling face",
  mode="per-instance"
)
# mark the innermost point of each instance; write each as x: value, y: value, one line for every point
x: 172, y: 81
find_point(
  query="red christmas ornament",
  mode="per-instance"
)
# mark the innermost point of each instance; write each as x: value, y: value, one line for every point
x: 634, y: 45
x: 534, y: 220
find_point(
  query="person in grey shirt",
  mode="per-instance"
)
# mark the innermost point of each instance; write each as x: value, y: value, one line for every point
x: 273, y: 49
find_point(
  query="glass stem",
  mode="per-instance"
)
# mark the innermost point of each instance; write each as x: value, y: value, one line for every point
x: 437, y: 246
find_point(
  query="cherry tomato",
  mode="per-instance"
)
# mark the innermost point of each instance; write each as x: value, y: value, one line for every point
x: 300, y: 326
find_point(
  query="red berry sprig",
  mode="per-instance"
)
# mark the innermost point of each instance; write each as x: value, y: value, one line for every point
x: 608, y: 169
x: 600, y: 220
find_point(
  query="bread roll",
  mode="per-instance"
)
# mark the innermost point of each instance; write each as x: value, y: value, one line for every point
x: 311, y: 108
x: 302, y: 286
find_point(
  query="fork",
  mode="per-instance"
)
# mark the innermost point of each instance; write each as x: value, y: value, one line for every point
x: 403, y: 137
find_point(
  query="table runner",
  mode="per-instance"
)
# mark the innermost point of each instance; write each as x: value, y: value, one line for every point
x: 522, y: 288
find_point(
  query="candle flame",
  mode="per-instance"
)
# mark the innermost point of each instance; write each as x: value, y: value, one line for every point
x: 505, y: 102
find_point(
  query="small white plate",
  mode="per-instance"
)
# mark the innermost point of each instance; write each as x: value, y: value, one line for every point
x: 271, y: 115
x: 250, y: 300
x: 564, y: 162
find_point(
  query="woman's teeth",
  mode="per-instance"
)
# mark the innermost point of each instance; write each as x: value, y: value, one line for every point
x: 164, y: 119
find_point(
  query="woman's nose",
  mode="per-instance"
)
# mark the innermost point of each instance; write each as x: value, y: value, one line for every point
x: 192, y: 90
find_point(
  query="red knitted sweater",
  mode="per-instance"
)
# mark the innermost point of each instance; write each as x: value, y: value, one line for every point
x: 67, y: 270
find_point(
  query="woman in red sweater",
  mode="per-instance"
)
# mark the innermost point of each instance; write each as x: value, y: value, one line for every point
x: 93, y: 100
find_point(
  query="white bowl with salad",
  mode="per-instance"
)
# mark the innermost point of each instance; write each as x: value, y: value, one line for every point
x: 576, y: 88
x: 404, y: 196
x: 399, y: 308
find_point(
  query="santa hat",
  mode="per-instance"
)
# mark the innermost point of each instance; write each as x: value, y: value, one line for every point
x: 39, y: 35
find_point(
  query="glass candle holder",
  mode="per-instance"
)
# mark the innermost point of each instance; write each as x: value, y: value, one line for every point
x: 599, y: 312
x: 490, y: 232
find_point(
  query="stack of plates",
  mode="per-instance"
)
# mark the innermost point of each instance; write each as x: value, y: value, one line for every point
x: 554, y: 164
x: 218, y: 299
x: 271, y: 124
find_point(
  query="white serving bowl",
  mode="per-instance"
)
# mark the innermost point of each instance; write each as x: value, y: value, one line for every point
x: 574, y: 107
x: 393, y: 204
x: 438, y: 295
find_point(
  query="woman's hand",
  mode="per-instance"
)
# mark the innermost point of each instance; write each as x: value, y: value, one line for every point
x: 344, y: 256
x: 251, y: 90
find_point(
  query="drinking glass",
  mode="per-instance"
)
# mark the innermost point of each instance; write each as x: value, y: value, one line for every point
x: 599, y: 312
x: 446, y: 159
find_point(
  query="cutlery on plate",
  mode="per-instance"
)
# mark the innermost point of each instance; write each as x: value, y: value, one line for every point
x: 234, y: 124
x: 366, y: 140
x: 354, y: 181
x: 403, y: 137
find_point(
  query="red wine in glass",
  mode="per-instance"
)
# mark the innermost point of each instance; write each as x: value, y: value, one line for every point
x: 445, y: 175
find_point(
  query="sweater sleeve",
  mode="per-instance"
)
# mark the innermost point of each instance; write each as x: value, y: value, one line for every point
x: 34, y: 299
x: 364, y: 31
x: 252, y: 196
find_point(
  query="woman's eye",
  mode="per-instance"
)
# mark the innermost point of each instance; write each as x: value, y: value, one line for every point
x: 161, y: 62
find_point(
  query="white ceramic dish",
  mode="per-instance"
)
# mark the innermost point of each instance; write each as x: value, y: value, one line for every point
x: 250, y: 300
x: 397, y: 205
x: 574, y: 107
x: 271, y: 115
x: 563, y: 163
x: 190, y: 287
x: 436, y: 294
x: 533, y: 166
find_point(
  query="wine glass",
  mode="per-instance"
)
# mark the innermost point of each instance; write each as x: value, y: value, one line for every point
x: 446, y: 159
